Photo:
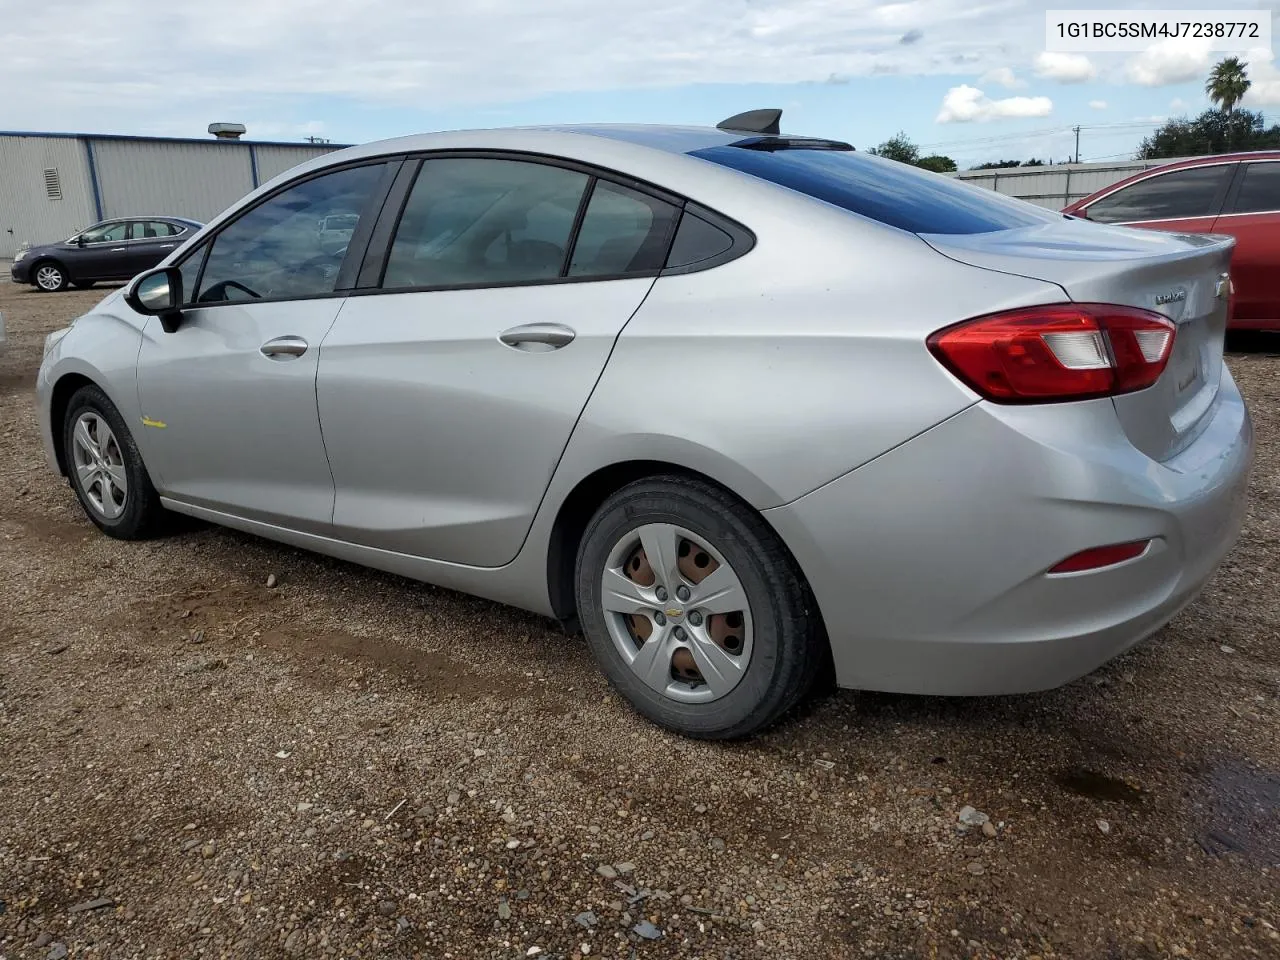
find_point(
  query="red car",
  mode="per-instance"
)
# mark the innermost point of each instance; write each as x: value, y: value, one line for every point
x: 1236, y: 194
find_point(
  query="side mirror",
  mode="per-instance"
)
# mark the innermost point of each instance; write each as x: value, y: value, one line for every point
x: 78, y: 241
x: 158, y: 293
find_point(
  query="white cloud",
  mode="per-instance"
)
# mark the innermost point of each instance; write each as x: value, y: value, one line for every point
x: 1003, y: 76
x: 1178, y: 105
x: 1265, y: 91
x: 1097, y: 104
x: 1168, y: 62
x: 966, y: 104
x: 1065, y: 67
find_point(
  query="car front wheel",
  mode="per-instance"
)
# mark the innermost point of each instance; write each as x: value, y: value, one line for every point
x: 695, y: 610
x: 106, y: 469
x: 51, y: 277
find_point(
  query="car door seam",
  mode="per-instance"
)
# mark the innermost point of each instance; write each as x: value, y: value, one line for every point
x: 315, y: 390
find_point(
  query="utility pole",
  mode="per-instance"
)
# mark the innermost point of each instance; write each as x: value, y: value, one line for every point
x: 1077, y: 130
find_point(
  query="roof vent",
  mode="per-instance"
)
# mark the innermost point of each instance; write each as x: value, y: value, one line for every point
x: 227, y: 131
x: 753, y: 121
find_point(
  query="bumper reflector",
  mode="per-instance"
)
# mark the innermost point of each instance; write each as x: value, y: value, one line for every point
x: 1097, y: 557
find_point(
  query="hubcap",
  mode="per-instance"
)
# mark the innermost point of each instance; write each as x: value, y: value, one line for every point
x: 50, y: 278
x: 677, y: 613
x: 99, y: 466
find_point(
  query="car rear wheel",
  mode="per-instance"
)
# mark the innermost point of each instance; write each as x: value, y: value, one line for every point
x: 106, y: 469
x: 694, y: 609
x: 50, y: 277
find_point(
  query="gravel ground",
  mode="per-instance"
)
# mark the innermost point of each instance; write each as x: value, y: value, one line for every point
x: 346, y: 764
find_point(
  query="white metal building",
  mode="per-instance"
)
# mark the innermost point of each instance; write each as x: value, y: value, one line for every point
x: 1058, y: 185
x: 54, y: 184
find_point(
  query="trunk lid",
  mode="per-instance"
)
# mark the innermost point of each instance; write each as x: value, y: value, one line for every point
x: 1181, y: 276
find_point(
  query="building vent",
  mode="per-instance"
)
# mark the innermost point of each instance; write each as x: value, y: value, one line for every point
x: 52, y: 183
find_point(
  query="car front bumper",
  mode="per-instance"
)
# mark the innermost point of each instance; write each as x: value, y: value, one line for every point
x: 930, y: 563
x: 20, y: 271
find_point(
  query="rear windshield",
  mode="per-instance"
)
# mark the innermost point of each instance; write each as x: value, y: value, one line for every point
x: 893, y: 193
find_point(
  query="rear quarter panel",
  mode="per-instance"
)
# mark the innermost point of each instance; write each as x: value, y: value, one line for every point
x: 796, y: 363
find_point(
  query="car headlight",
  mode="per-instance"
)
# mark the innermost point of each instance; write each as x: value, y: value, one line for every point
x: 52, y: 339
x: 20, y: 255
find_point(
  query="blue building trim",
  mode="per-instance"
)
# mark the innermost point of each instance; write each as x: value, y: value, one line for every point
x: 120, y: 136
x: 93, y: 179
x: 253, y: 165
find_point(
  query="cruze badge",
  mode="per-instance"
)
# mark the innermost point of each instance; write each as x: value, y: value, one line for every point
x: 1177, y: 296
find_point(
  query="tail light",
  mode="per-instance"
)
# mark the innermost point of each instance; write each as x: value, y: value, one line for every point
x: 1070, y: 351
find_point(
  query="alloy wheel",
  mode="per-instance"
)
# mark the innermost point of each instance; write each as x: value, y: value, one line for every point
x: 49, y: 277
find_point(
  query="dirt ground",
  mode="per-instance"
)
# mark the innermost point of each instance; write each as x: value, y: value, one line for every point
x: 194, y: 764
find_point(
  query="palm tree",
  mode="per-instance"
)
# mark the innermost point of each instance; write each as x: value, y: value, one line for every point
x: 1227, y: 83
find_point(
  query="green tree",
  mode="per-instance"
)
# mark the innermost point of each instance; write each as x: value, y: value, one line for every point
x: 1214, y: 131
x: 1228, y: 83
x: 998, y: 165
x: 898, y: 147
x: 936, y: 163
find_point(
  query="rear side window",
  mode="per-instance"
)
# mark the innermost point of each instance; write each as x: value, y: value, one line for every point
x: 1260, y: 189
x: 474, y: 221
x: 1194, y: 192
x: 623, y: 232
x: 697, y: 240
x: 891, y: 193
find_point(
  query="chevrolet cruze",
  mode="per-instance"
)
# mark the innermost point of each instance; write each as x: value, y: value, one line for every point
x: 742, y: 406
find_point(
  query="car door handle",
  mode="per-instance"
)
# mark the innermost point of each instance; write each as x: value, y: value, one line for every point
x: 119, y: 249
x: 166, y: 246
x: 535, y: 336
x: 282, y: 347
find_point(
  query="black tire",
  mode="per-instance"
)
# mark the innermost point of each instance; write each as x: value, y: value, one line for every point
x: 82, y: 284
x: 62, y: 280
x: 142, y: 515
x: 789, y: 645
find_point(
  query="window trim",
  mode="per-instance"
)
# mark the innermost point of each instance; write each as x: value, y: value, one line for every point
x: 1220, y: 198
x: 743, y: 241
x: 377, y: 199
x: 1233, y: 195
x: 373, y: 270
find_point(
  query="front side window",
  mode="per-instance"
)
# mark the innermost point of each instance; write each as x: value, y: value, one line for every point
x: 280, y: 249
x: 479, y: 221
x: 623, y: 232
x: 106, y: 233
x: 1260, y: 189
x: 1194, y: 192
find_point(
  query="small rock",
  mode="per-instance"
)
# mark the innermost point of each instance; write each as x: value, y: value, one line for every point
x: 758, y: 926
x: 1226, y: 649
x: 533, y: 951
x: 1104, y: 826
x: 294, y: 943
x: 585, y: 948
x: 625, y: 868
x: 607, y: 871
x: 700, y: 808
x: 303, y: 807
x: 454, y: 798
x: 271, y: 581
x: 504, y: 910
x: 403, y: 924
x: 92, y: 905
x: 989, y: 829
x: 717, y: 843
x: 976, y: 869
x: 57, y: 952
x: 387, y: 908
x: 197, y: 637
x: 509, y: 817
x: 646, y: 930
x: 522, y: 894
x: 972, y: 818
x: 647, y: 835
x: 425, y: 813
x: 43, y: 940
x: 512, y: 844
x: 54, y: 651
x: 587, y: 919
x: 208, y: 850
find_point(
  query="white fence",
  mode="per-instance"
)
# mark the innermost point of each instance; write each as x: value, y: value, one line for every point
x: 1058, y: 185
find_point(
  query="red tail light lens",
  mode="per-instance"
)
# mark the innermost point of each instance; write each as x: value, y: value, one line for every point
x: 1070, y: 351
x: 1098, y: 557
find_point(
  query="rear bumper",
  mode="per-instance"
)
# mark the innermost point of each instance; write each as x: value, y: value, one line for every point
x: 929, y: 563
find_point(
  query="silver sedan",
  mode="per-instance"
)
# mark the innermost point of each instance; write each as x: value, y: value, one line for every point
x: 744, y: 407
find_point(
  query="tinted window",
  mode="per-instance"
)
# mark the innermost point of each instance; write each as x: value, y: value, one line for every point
x: 481, y: 221
x: 892, y: 193
x: 624, y: 231
x: 148, y: 230
x: 279, y: 248
x: 696, y: 240
x: 1260, y: 189
x: 1169, y: 196
x: 106, y: 233
x: 190, y: 270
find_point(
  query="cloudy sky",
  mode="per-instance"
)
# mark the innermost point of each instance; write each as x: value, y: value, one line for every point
x: 968, y: 78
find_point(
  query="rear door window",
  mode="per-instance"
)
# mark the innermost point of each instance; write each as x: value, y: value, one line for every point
x: 1259, y: 189
x: 623, y: 233
x: 1177, y: 195
x: 892, y: 193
